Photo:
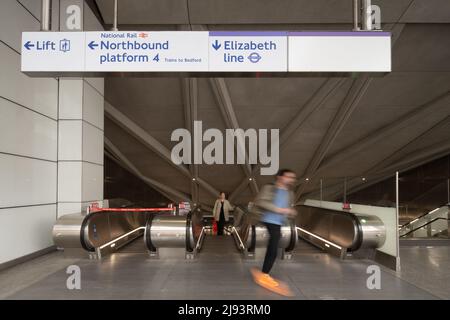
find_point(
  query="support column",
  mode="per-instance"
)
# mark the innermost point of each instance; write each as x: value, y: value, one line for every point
x: 80, y: 145
x: 80, y: 127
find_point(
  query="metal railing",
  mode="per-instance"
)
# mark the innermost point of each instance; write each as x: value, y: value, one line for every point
x: 201, y: 237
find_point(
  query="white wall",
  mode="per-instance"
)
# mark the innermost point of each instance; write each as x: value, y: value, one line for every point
x: 80, y: 145
x: 29, y: 138
x: 28, y: 143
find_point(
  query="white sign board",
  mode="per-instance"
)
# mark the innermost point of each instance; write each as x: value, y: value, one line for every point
x: 147, y: 51
x: 53, y: 51
x: 339, y: 51
x: 248, y: 51
x: 202, y: 51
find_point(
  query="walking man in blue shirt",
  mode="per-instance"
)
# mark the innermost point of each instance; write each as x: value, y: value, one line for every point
x: 275, y: 202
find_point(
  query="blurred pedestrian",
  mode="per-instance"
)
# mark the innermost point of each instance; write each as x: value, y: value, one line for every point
x: 274, y: 204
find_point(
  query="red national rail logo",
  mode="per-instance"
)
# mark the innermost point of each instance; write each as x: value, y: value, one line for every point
x: 143, y: 35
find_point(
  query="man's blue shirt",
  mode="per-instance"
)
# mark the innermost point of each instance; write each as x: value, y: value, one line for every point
x: 280, y: 200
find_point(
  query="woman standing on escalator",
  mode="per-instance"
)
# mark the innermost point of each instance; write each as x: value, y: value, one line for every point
x: 221, y: 211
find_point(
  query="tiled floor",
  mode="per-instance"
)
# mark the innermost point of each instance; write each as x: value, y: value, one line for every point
x: 220, y: 272
x: 428, y: 268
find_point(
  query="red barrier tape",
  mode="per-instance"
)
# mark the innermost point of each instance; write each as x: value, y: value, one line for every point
x: 132, y: 209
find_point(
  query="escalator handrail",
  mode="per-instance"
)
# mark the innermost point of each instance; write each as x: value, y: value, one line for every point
x: 431, y: 221
x: 189, y: 247
x: 358, y: 237
x: 424, y: 215
x: 147, y: 234
x: 85, y: 222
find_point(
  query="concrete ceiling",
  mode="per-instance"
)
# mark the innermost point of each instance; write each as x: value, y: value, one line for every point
x: 169, y: 12
x: 401, y: 116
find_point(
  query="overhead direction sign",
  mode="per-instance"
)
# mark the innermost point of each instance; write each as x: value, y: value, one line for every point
x: 91, y: 53
x: 361, y: 51
x: 147, y: 51
x: 248, y: 51
x: 53, y: 51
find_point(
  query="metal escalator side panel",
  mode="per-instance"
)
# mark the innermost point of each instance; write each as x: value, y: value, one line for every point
x: 91, y: 231
x: 189, y: 236
x: 66, y: 231
x: 96, y: 230
x: 373, y: 231
x: 293, y: 237
x: 358, y: 234
x: 252, y: 236
x: 343, y: 228
x: 84, y: 234
x: 148, y: 235
x: 169, y: 231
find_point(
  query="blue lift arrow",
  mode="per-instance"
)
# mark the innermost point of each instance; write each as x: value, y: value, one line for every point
x: 28, y: 45
x: 216, y: 45
x: 92, y: 45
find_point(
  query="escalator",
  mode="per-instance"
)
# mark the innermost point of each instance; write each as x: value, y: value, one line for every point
x: 332, y: 231
x: 139, y: 229
x: 219, y: 248
x: 339, y: 232
x: 102, y: 231
x: 433, y: 224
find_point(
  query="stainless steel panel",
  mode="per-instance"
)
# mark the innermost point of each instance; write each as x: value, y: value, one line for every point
x: 345, y: 229
x: 66, y: 231
x: 373, y: 230
x: 94, y: 230
x: 262, y: 236
x: 341, y: 230
x: 168, y: 231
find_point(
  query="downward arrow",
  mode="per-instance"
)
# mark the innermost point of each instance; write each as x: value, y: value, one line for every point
x: 92, y: 45
x: 216, y: 45
x: 28, y: 45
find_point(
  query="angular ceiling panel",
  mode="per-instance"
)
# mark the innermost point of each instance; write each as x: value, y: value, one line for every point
x: 145, y: 11
x: 405, y: 90
x: 429, y: 11
x: 146, y: 161
x: 153, y: 104
x: 272, y: 92
x: 285, y: 11
x: 421, y: 64
x: 423, y: 48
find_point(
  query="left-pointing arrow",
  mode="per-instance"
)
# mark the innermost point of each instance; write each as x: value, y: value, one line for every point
x: 92, y: 45
x: 28, y: 45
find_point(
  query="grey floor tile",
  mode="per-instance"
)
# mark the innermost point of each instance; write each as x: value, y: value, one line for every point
x: 220, y: 272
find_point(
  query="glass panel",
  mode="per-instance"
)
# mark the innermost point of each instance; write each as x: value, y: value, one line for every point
x: 424, y: 195
x: 433, y: 224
